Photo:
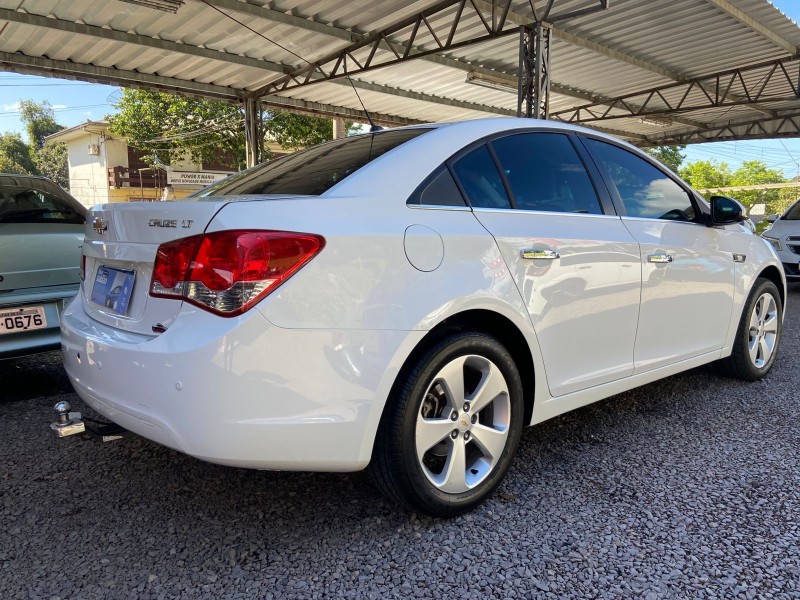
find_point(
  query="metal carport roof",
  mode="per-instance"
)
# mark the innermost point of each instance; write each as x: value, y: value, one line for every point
x: 652, y: 71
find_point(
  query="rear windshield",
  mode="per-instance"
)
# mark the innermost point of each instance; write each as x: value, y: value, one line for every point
x: 313, y: 171
x: 793, y: 214
x: 26, y: 205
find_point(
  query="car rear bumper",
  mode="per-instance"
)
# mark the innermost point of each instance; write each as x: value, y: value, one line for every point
x: 24, y: 343
x: 238, y: 391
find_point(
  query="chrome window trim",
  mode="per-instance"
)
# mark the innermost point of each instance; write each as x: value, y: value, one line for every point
x: 654, y: 220
x: 438, y: 207
x: 520, y: 211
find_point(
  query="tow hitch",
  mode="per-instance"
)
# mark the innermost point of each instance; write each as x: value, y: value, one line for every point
x: 67, y: 423
x: 70, y: 423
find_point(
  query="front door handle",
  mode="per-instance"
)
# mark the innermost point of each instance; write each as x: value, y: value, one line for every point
x: 659, y: 258
x: 534, y: 253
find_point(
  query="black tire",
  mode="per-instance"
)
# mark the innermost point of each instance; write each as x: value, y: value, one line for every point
x: 740, y: 364
x: 395, y: 466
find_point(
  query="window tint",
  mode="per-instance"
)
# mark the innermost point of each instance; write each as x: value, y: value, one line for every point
x: 793, y: 214
x: 26, y: 205
x: 478, y: 176
x: 441, y: 190
x: 545, y: 173
x: 644, y: 189
x: 313, y: 171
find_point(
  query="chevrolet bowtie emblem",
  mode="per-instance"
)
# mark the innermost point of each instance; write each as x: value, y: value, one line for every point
x: 100, y: 225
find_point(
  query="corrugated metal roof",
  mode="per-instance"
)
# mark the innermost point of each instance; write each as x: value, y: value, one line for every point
x: 218, y: 47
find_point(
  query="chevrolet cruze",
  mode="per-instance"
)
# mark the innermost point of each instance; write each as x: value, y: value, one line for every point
x: 409, y: 299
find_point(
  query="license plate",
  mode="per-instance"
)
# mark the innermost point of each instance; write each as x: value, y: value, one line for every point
x: 22, y: 319
x: 112, y: 288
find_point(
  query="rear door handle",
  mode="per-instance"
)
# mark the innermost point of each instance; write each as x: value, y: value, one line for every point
x: 659, y: 258
x: 534, y: 253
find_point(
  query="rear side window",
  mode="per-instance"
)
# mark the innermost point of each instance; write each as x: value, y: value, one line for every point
x: 478, y: 176
x: 545, y: 173
x: 25, y: 205
x: 439, y: 190
x: 313, y: 171
x: 645, y: 190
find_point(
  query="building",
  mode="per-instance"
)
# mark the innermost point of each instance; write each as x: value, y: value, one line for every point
x: 103, y: 168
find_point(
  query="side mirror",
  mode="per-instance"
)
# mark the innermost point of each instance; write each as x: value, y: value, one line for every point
x: 772, y: 218
x: 726, y: 211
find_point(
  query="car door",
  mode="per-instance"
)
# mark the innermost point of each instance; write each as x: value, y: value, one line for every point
x: 687, y: 272
x: 576, y: 267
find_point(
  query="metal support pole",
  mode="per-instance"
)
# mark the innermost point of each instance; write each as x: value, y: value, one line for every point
x: 252, y: 130
x: 339, y: 128
x: 533, y: 74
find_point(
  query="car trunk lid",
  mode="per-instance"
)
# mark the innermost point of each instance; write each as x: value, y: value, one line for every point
x: 120, y: 249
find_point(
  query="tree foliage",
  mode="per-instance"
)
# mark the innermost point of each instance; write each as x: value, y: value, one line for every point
x: 671, y: 156
x: 173, y: 127
x: 35, y: 157
x: 40, y: 121
x: 703, y: 174
x: 51, y: 161
x: 15, y: 155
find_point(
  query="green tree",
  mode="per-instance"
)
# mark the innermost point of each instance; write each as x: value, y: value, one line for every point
x: 293, y: 131
x: 703, y: 174
x: 51, y: 161
x: 15, y: 155
x: 173, y: 127
x: 671, y: 156
x: 40, y: 121
x: 707, y: 173
x: 753, y: 172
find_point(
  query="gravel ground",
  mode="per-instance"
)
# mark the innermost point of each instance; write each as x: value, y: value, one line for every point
x: 686, y: 488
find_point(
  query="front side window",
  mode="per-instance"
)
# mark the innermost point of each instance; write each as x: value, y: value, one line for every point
x: 545, y: 173
x: 313, y: 171
x: 645, y: 190
x: 793, y: 214
x: 480, y: 179
x: 26, y: 205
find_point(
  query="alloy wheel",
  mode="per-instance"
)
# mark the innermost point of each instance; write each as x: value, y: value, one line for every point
x: 463, y: 424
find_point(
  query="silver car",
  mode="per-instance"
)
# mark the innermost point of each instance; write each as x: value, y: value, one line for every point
x: 784, y: 235
x: 41, y: 234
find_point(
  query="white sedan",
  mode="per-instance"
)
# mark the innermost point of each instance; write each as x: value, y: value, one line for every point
x: 410, y: 299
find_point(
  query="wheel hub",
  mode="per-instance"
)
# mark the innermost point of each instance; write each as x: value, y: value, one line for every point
x: 464, y: 422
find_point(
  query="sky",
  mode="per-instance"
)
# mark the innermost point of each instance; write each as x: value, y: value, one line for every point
x: 75, y: 102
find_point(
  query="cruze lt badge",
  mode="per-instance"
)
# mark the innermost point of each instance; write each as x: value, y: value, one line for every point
x: 185, y: 223
x: 100, y: 225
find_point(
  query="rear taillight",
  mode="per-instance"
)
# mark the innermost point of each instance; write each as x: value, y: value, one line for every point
x: 227, y: 272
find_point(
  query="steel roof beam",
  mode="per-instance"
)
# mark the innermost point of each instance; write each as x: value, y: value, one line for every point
x: 20, y: 63
x: 113, y: 35
x: 308, y: 24
x: 708, y: 91
x: 64, y: 69
x: 753, y: 24
x: 118, y: 36
x: 785, y: 124
x: 610, y: 52
x: 348, y: 61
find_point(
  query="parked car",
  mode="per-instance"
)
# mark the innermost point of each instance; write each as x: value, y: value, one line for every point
x: 41, y: 233
x: 784, y: 235
x: 410, y: 299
